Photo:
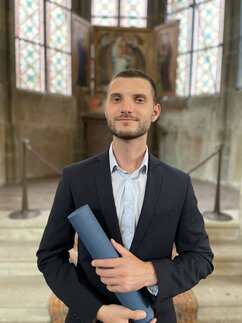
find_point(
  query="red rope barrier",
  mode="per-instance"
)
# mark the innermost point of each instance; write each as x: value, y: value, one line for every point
x: 204, y: 161
x: 43, y: 159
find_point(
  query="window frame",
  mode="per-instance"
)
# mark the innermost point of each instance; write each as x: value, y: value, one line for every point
x: 192, y: 51
x: 45, y: 89
x: 119, y: 17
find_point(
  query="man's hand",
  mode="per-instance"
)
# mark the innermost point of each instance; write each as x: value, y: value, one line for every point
x: 119, y: 314
x: 125, y: 274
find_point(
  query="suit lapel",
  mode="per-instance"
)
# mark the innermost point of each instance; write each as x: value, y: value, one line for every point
x: 152, y: 193
x: 105, y: 195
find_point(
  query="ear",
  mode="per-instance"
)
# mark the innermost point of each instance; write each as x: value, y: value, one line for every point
x: 156, y: 112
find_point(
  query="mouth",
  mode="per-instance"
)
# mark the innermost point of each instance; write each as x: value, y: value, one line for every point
x: 126, y: 119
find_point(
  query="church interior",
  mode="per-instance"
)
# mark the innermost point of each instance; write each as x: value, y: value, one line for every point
x: 56, y: 60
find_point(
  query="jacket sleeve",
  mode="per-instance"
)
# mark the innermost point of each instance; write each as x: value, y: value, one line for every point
x: 53, y: 258
x: 194, y: 259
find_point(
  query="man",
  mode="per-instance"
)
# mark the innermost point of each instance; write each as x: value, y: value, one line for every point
x: 143, y: 205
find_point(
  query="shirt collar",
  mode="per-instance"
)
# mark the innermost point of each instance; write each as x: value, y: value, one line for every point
x: 114, y: 165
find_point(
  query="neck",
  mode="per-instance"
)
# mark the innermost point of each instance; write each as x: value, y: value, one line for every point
x: 129, y: 154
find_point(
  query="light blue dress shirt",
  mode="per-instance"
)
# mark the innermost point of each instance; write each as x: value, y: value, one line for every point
x: 128, y: 192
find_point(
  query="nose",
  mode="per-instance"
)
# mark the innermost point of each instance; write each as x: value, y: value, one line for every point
x: 127, y: 106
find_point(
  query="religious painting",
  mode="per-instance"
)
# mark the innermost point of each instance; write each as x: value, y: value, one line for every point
x: 166, y: 42
x: 81, y: 44
x: 119, y: 48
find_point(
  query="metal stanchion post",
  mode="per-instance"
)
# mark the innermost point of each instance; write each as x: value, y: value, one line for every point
x: 216, y: 214
x: 24, y: 176
x: 24, y: 213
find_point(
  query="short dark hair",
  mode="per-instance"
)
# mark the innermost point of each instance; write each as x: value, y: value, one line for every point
x: 134, y: 73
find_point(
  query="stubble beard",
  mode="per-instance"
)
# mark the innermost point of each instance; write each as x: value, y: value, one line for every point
x: 128, y: 135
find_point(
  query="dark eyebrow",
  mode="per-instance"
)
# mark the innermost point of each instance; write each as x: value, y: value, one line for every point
x: 115, y: 94
x: 136, y: 95
x: 140, y: 95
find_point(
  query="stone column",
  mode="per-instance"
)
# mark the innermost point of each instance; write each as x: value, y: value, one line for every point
x: 3, y: 89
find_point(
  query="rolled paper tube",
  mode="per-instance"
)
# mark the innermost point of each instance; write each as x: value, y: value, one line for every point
x: 99, y: 247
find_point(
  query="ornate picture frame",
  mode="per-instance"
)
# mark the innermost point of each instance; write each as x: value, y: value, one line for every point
x: 120, y: 48
x: 166, y: 48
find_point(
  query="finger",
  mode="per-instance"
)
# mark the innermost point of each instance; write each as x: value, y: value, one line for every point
x: 104, y: 263
x: 109, y: 281
x: 137, y: 315
x: 154, y: 320
x: 119, y: 288
x: 116, y: 289
x: 120, y: 249
x: 107, y: 272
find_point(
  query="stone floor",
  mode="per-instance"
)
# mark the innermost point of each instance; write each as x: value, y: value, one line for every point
x: 41, y: 193
x: 24, y: 294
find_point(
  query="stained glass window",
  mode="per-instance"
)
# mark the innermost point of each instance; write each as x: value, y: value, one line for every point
x: 132, y: 13
x: 58, y: 73
x: 30, y: 66
x: 29, y: 44
x: 43, y: 58
x: 58, y: 49
x: 200, y: 45
x: 206, y: 65
x: 63, y: 3
x: 175, y: 5
x: 105, y: 12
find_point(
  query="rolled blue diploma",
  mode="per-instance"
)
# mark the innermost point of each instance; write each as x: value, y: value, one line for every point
x: 99, y: 247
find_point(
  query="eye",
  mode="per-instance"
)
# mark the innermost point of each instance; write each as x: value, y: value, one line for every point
x: 115, y: 99
x: 139, y: 99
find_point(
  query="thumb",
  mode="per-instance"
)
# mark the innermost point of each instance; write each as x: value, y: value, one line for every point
x: 137, y: 315
x: 120, y: 249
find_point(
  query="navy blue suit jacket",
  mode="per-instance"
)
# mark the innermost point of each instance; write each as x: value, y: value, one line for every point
x: 169, y: 215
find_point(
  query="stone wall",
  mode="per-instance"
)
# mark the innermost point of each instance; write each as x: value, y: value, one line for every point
x: 189, y: 132
x: 235, y: 130
x: 233, y: 96
x: 50, y: 123
x: 2, y: 136
x: 191, y: 129
x: 2, y: 153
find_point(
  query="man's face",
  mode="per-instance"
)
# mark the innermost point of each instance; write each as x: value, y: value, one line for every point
x: 130, y: 107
